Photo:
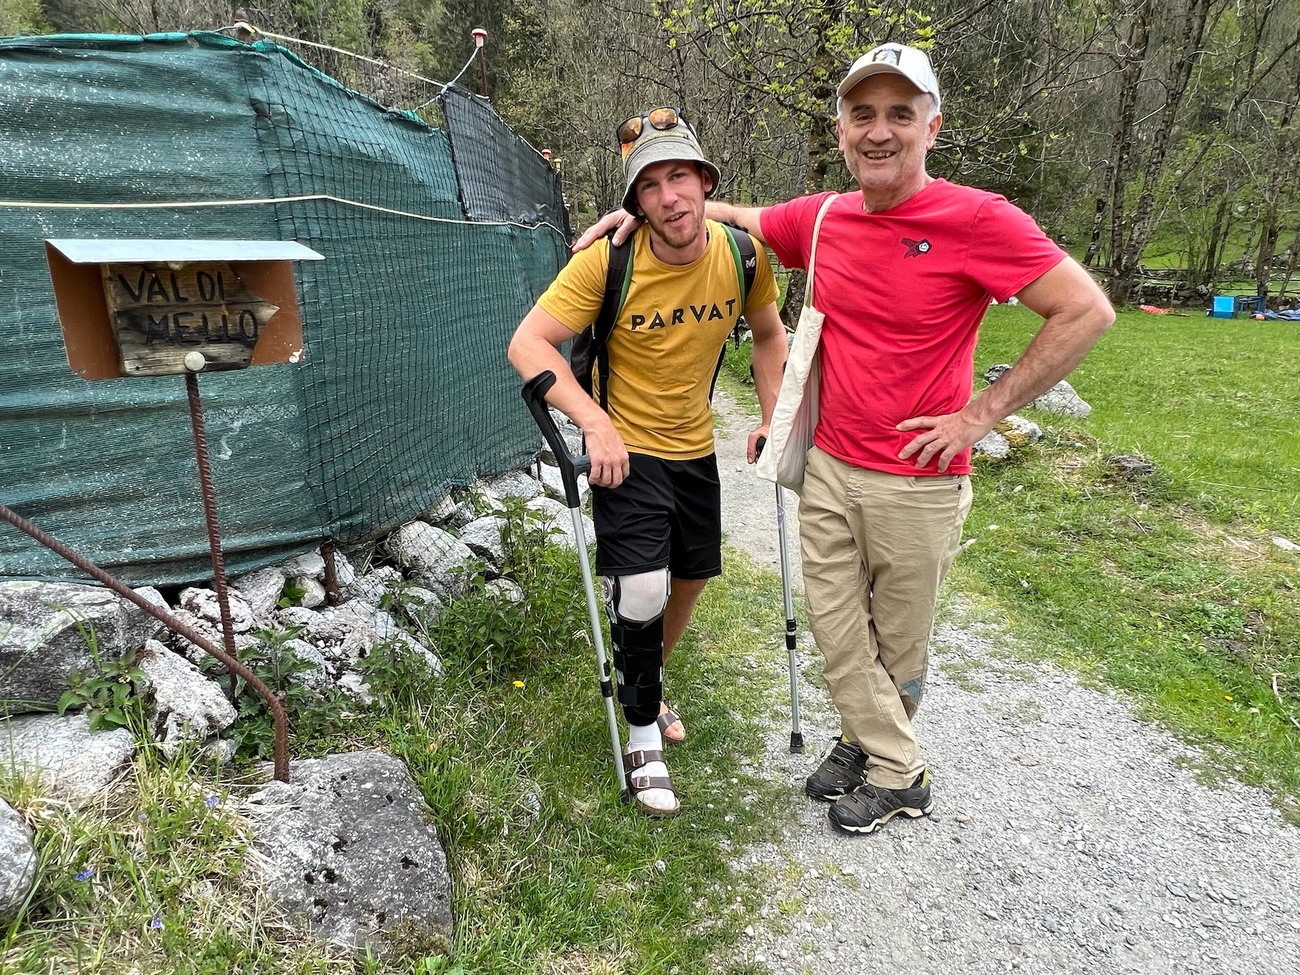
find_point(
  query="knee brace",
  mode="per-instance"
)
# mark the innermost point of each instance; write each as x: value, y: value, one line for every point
x: 636, y: 604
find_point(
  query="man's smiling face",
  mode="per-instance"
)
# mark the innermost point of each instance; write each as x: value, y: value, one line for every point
x: 671, y: 196
x: 885, y: 130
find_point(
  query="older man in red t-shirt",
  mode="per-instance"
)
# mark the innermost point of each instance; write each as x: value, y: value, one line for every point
x: 905, y: 268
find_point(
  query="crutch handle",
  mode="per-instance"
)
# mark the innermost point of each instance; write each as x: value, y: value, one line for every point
x: 534, y: 394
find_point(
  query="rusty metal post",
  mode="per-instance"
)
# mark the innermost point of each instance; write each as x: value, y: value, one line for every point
x: 210, y: 511
x: 332, y: 595
x: 278, y: 719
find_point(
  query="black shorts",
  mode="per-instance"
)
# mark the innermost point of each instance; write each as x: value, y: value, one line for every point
x: 667, y: 513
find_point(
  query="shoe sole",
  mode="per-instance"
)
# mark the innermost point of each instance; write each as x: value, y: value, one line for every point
x: 871, y: 827
x: 828, y: 796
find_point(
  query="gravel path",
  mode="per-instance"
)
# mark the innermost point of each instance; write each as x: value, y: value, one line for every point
x: 1068, y: 836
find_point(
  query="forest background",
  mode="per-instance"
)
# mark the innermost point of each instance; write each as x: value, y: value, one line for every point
x: 1157, y: 140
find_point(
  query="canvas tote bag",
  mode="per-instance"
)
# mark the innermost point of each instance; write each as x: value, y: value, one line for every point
x: 794, y: 419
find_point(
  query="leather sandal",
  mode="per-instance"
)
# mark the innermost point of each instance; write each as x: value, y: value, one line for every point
x: 666, y: 721
x: 637, y: 784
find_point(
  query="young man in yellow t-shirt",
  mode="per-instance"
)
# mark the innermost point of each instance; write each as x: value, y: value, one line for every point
x: 654, y: 477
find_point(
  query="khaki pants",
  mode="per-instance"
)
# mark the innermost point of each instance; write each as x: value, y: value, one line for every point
x: 875, y: 550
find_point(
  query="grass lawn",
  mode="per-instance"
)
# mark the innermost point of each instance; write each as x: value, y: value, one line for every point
x: 551, y: 873
x: 1167, y: 586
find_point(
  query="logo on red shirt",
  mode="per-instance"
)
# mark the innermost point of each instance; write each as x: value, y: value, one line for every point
x: 915, y: 248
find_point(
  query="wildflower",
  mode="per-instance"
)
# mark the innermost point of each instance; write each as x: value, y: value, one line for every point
x: 156, y: 922
x: 144, y: 817
x: 212, y: 801
x: 519, y: 683
x: 86, y: 873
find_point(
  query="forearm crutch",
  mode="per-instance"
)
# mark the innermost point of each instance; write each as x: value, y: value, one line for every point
x: 796, y: 734
x: 534, y: 393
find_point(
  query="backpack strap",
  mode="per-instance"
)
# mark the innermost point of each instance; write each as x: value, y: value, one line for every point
x: 746, y: 258
x: 618, y: 278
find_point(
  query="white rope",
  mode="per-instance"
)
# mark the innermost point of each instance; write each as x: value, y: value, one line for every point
x: 189, y: 204
x: 352, y: 54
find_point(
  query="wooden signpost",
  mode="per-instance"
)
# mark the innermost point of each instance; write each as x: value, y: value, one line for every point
x: 141, y: 307
x: 161, y: 314
x: 178, y: 308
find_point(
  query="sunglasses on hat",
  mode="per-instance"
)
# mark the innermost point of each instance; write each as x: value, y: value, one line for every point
x: 661, y: 119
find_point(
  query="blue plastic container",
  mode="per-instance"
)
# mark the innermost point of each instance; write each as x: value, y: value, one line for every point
x: 1224, y: 306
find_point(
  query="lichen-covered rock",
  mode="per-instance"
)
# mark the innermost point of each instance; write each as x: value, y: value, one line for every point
x: 1062, y: 400
x: 347, y: 848
x: 62, y: 754
x: 48, y: 629
x: 483, y: 537
x: 17, y: 862
x: 992, y: 445
x: 513, y: 484
x: 204, y: 604
x: 261, y: 589
x: 553, y: 482
x: 440, y: 560
x: 184, y: 705
x: 309, y: 564
x: 374, y: 585
x: 1020, y: 432
x: 557, y: 519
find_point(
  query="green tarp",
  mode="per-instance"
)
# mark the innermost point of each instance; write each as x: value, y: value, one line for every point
x: 405, y: 389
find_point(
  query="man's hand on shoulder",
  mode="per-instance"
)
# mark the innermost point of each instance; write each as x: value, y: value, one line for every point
x: 620, y: 218
x: 945, y: 437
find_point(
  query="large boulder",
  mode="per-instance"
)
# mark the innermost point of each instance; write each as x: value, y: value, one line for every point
x: 17, y: 862
x: 185, y: 706
x: 62, y: 754
x: 348, y: 850
x: 50, y: 628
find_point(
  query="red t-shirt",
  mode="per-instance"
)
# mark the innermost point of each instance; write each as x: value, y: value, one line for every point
x: 903, y: 292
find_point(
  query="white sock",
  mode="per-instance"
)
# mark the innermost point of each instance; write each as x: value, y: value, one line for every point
x: 647, y: 738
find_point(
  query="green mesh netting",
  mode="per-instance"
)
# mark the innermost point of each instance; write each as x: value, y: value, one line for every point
x: 405, y: 390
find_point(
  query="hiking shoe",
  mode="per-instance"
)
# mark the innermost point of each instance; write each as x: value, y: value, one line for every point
x: 842, y: 770
x: 868, y: 807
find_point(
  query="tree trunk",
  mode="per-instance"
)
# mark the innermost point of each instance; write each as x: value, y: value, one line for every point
x: 1218, y: 235
x: 821, y: 142
x: 1290, y: 265
x: 1126, y: 265
x: 1121, y: 162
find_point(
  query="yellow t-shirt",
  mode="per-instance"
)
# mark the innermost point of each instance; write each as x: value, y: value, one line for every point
x: 666, y: 342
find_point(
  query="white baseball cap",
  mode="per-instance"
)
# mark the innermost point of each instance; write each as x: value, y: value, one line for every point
x: 896, y: 59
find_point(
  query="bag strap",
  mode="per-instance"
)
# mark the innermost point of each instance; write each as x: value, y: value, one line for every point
x: 618, y: 278
x: 746, y: 258
x: 812, y: 254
